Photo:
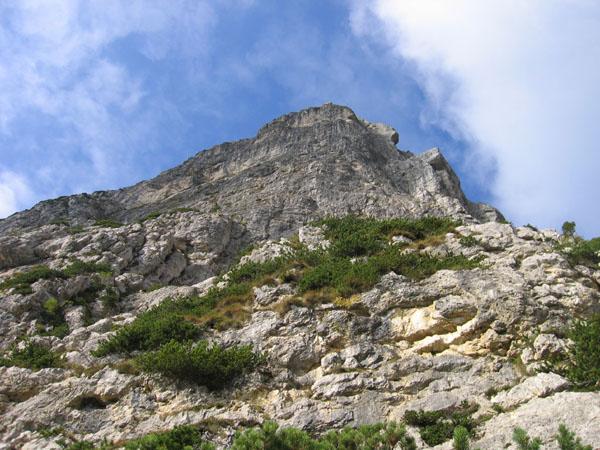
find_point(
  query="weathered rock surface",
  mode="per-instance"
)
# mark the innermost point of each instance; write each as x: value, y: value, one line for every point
x: 429, y: 344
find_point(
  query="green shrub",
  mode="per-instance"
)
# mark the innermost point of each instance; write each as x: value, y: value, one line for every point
x: 151, y: 216
x: 366, y: 437
x: 33, y: 356
x: 524, y: 442
x: 78, y: 267
x: 349, y: 278
x: 568, y: 229
x: 180, y: 320
x: 469, y: 241
x: 254, y: 272
x: 585, y: 253
x: 87, y: 445
x: 82, y: 445
x: 107, y: 223
x: 52, y: 315
x: 180, y: 438
x: 24, y: 280
x: 148, y: 332
x: 436, y: 427
x: 422, y: 418
x: 568, y: 441
x: 60, y: 221
x: 210, y: 365
x: 461, y: 439
x: 75, y: 229
x: 353, y: 236
x: 110, y: 298
x: 581, y: 364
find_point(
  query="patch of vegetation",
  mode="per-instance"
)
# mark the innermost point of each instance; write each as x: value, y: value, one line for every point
x: 78, y: 267
x: 179, y: 438
x: 183, y: 210
x: 567, y: 440
x: 581, y: 363
x: 460, y: 439
x: 437, y: 427
x: 213, y: 366
x: 353, y: 236
x: 33, y: 356
x: 524, y: 442
x: 469, y: 241
x: 568, y: 229
x: 366, y: 437
x: 53, y: 316
x: 108, y: 223
x: 76, y: 229
x: 87, y: 445
x: 582, y: 252
x: 149, y: 331
x: 60, y: 221
x: 110, y: 298
x: 577, y: 250
x: 48, y: 432
x: 151, y: 216
x: 23, y: 280
x: 347, y: 277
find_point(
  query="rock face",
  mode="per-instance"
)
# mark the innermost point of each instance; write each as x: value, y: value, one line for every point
x: 301, y: 166
x: 474, y: 335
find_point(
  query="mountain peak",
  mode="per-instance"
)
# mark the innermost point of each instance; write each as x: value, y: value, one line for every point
x: 304, y: 165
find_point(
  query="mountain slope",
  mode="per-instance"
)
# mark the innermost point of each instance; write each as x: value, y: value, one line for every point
x: 110, y: 331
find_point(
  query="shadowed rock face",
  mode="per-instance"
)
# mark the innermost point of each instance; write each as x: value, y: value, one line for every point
x: 301, y: 166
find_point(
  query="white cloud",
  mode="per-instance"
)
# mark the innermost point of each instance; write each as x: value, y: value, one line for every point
x: 14, y: 190
x: 55, y: 67
x: 519, y: 81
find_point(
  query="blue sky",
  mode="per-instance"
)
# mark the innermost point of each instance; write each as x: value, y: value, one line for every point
x: 102, y: 94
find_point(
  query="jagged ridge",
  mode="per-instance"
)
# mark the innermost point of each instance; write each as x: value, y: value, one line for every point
x: 304, y: 165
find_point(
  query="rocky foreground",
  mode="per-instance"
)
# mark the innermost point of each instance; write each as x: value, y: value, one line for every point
x: 477, y: 335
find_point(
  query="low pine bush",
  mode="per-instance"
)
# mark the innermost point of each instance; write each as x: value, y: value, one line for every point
x: 353, y: 236
x: 581, y: 363
x: 437, y: 427
x: 78, y: 267
x: 568, y: 441
x: 366, y: 437
x: 148, y: 332
x: 460, y: 439
x: 33, y: 356
x: 23, y: 281
x: 586, y: 253
x: 107, y: 223
x: 524, y: 442
x: 212, y: 366
x: 183, y: 437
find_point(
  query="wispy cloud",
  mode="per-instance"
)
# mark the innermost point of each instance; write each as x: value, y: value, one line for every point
x: 519, y: 81
x: 13, y: 188
x: 63, y: 81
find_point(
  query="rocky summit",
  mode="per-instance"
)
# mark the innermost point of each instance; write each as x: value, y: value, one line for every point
x: 315, y: 277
